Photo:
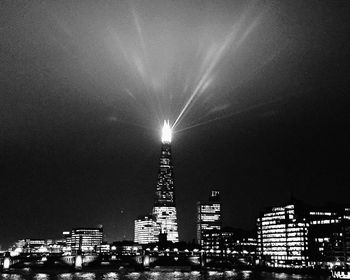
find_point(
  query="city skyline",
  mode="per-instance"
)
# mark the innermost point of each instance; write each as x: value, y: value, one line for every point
x: 258, y: 92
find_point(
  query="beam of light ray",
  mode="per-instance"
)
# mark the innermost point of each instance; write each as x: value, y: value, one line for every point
x: 251, y: 108
x: 212, y: 59
x: 212, y: 63
x: 140, y: 62
x: 246, y: 79
x: 143, y: 64
x: 168, y: 82
x: 130, y: 93
x: 139, y: 32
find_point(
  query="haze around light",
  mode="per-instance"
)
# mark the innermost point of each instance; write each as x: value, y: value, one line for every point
x: 178, y: 62
x: 156, y: 60
x: 166, y: 132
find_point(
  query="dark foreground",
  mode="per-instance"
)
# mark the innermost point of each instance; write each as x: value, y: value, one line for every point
x: 120, y: 275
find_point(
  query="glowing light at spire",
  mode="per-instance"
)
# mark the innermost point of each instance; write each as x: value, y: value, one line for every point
x: 166, y: 132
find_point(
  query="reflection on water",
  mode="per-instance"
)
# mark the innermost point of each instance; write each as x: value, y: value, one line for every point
x: 65, y: 276
x: 41, y: 276
x: 194, y: 275
x: 110, y: 276
x: 133, y: 275
x: 10, y: 276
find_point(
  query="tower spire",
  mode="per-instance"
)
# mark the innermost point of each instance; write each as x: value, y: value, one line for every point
x: 166, y: 132
x: 164, y: 208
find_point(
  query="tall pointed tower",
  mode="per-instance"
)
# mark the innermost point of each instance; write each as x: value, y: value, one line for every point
x: 164, y: 208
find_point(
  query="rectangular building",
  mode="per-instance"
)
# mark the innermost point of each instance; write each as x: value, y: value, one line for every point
x: 329, y: 236
x: 298, y: 236
x: 283, y: 238
x: 208, y: 215
x: 230, y: 243
x: 86, y: 239
x: 146, y: 230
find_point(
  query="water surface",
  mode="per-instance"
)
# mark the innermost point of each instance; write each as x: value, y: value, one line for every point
x: 194, y: 275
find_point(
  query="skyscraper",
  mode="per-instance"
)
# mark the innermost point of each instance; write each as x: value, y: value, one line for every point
x: 164, y: 208
x: 208, y: 215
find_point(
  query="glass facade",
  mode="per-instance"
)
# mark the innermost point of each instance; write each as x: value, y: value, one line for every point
x: 297, y: 236
x: 86, y: 239
x: 282, y: 238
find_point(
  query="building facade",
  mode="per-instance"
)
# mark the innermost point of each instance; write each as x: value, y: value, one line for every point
x: 283, y: 238
x: 230, y: 243
x: 164, y: 209
x: 298, y: 235
x: 86, y: 239
x: 146, y: 230
x: 208, y: 215
x: 329, y: 236
x: 34, y: 246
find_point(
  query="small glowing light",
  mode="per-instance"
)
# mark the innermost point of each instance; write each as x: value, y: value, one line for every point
x: 166, y: 132
x: 78, y: 262
x: 6, y: 264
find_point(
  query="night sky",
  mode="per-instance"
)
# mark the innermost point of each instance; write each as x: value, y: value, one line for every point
x: 260, y: 89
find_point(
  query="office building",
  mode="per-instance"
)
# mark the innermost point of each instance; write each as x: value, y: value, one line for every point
x: 230, y: 243
x: 283, y: 237
x: 146, y: 230
x: 208, y: 215
x: 86, y: 239
x: 164, y: 208
x: 329, y: 236
x: 298, y: 235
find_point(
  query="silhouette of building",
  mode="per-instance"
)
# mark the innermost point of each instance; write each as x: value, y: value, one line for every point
x: 146, y: 230
x: 208, y: 215
x: 230, y: 243
x: 329, y: 236
x: 126, y: 248
x: 164, y: 208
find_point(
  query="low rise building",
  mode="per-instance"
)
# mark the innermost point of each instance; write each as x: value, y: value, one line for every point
x: 230, y: 243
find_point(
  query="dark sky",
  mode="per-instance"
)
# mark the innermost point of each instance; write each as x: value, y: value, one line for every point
x: 85, y: 85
